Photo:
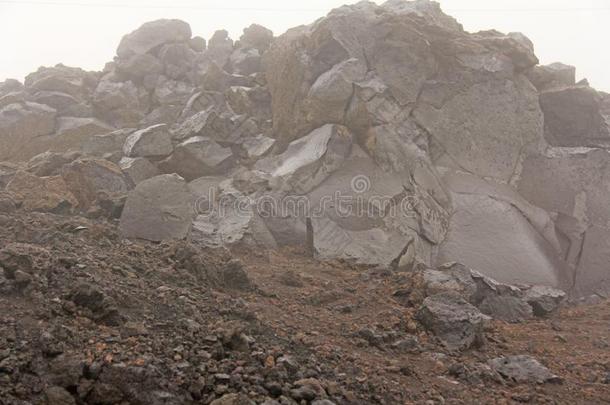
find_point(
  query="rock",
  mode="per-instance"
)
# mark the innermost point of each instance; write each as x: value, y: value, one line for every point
x: 20, y: 124
x: 220, y: 47
x: 10, y: 85
x: 234, y: 276
x: 152, y: 35
x: 555, y: 75
x: 230, y: 218
x: 451, y: 277
x: 572, y: 117
x: 245, y: 61
x: 232, y: 399
x: 544, y: 300
x: 329, y: 94
x: 65, y: 371
x: 99, y: 145
x: 198, y: 44
x: 560, y: 182
x: 15, y: 97
x: 138, y: 169
x: 63, y: 103
x: 152, y: 142
x: 458, y: 324
x: 7, y: 203
x: 91, y: 179
x: 168, y: 91
x: 58, y: 396
x: 497, y: 232
x: 68, y: 80
x: 50, y: 163
x: 103, y: 308
x: 196, y: 157
x: 70, y: 135
x: 506, y: 308
x: 308, y: 161
x: 256, y: 147
x: 159, y: 208
x: 120, y: 103
x: 511, y: 131
x: 179, y: 60
x: 523, y: 369
x: 256, y: 36
x: 45, y: 194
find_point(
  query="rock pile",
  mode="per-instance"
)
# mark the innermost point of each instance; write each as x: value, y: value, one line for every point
x: 380, y: 134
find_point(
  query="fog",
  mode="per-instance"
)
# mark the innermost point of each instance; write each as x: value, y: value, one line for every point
x: 85, y: 33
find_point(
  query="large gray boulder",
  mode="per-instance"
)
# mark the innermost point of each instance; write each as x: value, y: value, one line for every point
x: 160, y: 208
x: 152, y: 35
x: 497, y: 232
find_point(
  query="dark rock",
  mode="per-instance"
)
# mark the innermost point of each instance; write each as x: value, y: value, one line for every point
x: 544, y: 300
x: 572, y: 117
x: 234, y: 276
x: 458, y: 324
x: 523, y: 369
x: 152, y: 142
x: 506, y: 308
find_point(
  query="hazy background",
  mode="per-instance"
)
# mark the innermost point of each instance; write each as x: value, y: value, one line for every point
x: 86, y: 33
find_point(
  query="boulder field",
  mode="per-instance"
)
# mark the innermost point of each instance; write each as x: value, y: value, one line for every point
x: 383, y: 135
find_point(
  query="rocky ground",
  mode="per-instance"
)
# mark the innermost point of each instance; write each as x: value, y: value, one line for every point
x: 452, y: 246
x: 89, y: 318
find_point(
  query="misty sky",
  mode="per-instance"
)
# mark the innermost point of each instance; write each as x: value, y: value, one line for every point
x: 85, y: 33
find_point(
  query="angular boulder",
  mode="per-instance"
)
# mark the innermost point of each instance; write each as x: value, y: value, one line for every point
x: 122, y: 104
x: 544, y: 300
x: 458, y: 324
x: 573, y: 117
x: 308, y: 161
x: 90, y: 179
x: 152, y: 142
x: 574, y: 185
x: 138, y: 169
x: 495, y: 231
x: 159, y: 208
x: 523, y: 369
x: 551, y: 76
x: 152, y: 35
x: 196, y: 157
